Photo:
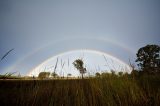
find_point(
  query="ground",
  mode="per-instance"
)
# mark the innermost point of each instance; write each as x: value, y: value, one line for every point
x: 101, y: 91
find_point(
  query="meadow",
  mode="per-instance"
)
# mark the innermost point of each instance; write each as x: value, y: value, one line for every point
x: 105, y: 90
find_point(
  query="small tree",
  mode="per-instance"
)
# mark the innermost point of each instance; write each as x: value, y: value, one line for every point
x: 79, y: 65
x: 98, y: 74
x: 43, y: 75
x: 149, y: 58
x: 54, y: 75
x: 113, y: 72
x: 105, y: 74
x: 68, y: 75
x: 120, y: 73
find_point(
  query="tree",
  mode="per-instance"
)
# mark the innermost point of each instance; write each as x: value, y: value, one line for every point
x: 105, y: 74
x: 79, y: 65
x: 98, y: 74
x: 148, y: 58
x: 68, y: 75
x: 43, y: 75
x: 54, y: 75
x: 120, y: 73
x: 113, y: 72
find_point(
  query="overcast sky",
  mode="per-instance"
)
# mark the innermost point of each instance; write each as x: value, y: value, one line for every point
x: 39, y: 29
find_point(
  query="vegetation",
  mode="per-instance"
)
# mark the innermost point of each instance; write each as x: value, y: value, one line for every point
x: 97, y: 74
x: 54, y: 75
x: 10, y: 76
x: 69, y: 75
x: 149, y: 58
x: 43, y: 75
x: 106, y: 90
x: 79, y: 65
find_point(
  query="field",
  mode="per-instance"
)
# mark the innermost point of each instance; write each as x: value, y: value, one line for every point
x: 106, y: 90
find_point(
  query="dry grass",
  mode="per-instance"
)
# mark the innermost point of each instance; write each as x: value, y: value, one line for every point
x: 104, y: 91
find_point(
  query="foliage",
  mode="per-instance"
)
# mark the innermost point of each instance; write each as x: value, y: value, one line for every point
x: 43, y: 75
x: 120, y: 73
x: 149, y: 58
x: 69, y: 74
x: 104, y: 91
x: 9, y: 76
x: 98, y: 74
x: 108, y: 89
x: 54, y: 75
x: 113, y: 72
x: 79, y: 65
x: 135, y: 73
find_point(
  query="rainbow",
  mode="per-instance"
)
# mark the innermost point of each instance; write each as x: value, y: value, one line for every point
x: 22, y: 60
x: 73, y: 51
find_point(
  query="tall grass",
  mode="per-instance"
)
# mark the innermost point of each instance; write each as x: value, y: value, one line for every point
x: 107, y: 90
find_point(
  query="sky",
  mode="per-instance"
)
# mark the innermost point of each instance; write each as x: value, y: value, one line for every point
x: 94, y: 61
x: 40, y: 29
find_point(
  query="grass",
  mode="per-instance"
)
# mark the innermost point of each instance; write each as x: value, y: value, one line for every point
x: 107, y: 90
